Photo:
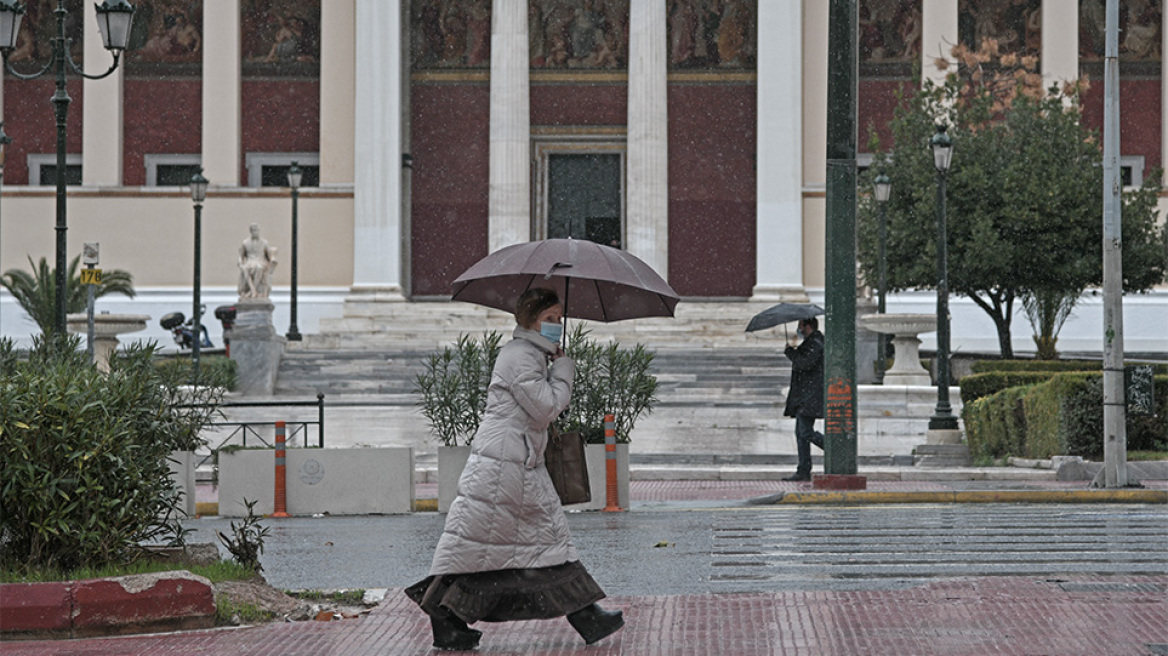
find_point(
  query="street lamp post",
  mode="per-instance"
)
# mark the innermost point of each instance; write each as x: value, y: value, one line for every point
x: 883, y: 187
x: 198, y: 195
x: 943, y: 417
x: 295, y: 175
x: 113, y: 20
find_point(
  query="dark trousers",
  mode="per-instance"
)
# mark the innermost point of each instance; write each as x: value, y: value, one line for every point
x: 805, y: 436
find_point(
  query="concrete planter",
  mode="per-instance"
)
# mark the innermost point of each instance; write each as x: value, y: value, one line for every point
x: 597, y: 477
x: 337, y: 481
x: 452, y: 460
x: 182, y: 472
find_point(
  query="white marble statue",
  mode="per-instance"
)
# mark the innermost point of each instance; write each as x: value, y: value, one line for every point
x: 257, y: 261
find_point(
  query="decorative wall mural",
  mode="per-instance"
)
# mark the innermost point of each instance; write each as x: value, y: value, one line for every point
x: 1139, y: 30
x: 712, y: 34
x: 34, y: 42
x: 280, y: 37
x: 451, y: 33
x: 166, y: 32
x: 578, y: 33
x: 1016, y: 25
x: 890, y: 30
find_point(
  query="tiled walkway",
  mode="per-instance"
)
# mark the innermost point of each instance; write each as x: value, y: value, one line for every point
x: 1093, y: 616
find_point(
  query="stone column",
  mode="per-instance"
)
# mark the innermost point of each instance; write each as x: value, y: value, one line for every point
x: 814, y: 107
x: 221, y: 93
x: 337, y: 92
x: 779, y: 226
x: 938, y: 35
x: 101, y: 111
x: 647, y: 162
x: 510, y: 131
x: 1060, y: 41
x: 377, y: 189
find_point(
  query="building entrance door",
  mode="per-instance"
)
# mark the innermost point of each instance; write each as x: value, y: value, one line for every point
x: 580, y: 194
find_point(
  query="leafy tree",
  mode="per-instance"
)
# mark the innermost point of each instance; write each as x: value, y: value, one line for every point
x: 1024, y: 194
x: 37, y: 292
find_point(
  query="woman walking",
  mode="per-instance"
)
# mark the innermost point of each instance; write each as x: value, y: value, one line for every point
x: 506, y: 552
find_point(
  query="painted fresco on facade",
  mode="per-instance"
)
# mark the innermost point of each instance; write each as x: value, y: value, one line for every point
x: 586, y: 34
x: 704, y: 34
x: 890, y: 31
x: 1016, y: 25
x: 451, y: 33
x: 1139, y: 30
x: 34, y: 42
x: 166, y: 37
x: 280, y: 37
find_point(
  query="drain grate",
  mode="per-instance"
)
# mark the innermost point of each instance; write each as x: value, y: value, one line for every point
x: 1084, y: 586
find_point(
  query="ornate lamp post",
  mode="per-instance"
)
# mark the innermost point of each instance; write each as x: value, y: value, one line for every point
x: 295, y: 175
x: 883, y: 188
x: 198, y: 195
x: 113, y: 20
x: 943, y: 417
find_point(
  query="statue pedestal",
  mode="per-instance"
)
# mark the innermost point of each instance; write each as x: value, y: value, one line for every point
x: 256, y: 347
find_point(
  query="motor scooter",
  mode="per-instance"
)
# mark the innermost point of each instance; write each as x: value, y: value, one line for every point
x: 182, y: 330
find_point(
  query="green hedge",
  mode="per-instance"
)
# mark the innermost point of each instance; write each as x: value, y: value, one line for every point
x: 1054, y: 366
x: 218, y: 370
x: 1063, y: 415
x: 976, y: 386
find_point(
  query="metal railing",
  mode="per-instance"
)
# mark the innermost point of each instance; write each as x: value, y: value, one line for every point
x: 243, y: 429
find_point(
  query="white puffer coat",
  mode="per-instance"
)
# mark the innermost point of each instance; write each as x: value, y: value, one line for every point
x: 507, y: 514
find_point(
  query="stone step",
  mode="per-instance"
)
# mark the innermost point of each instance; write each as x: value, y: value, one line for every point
x: 941, y: 455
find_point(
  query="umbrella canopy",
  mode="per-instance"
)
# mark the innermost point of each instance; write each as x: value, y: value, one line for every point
x: 595, y: 282
x: 782, y: 313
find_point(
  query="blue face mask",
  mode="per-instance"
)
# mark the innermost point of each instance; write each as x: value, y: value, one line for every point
x: 552, y: 332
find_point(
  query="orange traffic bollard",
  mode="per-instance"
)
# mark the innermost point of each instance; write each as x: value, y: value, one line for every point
x: 281, y: 504
x: 612, y: 493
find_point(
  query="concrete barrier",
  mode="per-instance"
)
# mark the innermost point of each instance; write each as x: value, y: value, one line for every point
x: 362, y: 481
x: 452, y: 460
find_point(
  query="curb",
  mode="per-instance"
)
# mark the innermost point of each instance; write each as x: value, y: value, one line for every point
x: 970, y: 496
x: 139, y: 603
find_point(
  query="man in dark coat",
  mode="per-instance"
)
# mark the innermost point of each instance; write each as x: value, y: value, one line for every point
x: 805, y: 400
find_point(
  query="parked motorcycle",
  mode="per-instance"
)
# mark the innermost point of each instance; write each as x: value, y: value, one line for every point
x: 182, y: 330
x: 226, y: 316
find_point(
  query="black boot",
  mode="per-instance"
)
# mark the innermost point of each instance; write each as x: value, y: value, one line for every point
x: 594, y: 624
x: 452, y: 633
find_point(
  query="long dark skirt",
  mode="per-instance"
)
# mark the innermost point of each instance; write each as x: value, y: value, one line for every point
x: 508, y: 594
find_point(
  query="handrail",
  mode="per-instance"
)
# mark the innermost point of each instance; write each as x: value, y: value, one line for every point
x: 245, y: 427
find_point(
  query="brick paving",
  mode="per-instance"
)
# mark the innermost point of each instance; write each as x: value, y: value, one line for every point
x: 1008, y: 615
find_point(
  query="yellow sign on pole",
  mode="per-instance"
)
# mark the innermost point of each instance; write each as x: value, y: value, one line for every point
x: 91, y: 276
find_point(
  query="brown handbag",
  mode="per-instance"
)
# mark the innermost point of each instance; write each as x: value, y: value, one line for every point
x: 564, y: 458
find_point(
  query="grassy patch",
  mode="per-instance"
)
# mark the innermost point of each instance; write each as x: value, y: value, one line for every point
x: 224, y: 570
x: 339, y: 597
x: 1147, y: 455
x: 226, y: 611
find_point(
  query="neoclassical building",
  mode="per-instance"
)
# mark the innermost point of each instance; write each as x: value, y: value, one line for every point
x: 690, y: 132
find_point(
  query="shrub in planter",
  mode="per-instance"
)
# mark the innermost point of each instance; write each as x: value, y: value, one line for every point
x: 996, y: 424
x: 84, y: 455
x: 453, y: 387
x: 1058, y: 366
x: 609, y: 379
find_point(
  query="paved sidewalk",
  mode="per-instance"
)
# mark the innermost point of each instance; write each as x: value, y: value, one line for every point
x: 1017, y: 615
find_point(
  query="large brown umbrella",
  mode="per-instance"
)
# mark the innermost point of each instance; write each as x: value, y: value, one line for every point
x: 595, y: 282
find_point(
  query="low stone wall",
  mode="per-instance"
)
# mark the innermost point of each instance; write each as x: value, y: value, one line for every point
x: 894, y: 419
x: 360, y: 481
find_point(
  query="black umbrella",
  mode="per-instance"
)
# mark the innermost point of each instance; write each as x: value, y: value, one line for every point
x: 783, y: 313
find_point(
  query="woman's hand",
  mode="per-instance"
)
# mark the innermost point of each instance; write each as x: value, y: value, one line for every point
x: 557, y: 355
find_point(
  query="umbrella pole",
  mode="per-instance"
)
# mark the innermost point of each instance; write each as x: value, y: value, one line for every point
x: 567, y: 286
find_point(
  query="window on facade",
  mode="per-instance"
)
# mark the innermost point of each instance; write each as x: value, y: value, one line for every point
x: 171, y: 170
x: 271, y: 169
x: 42, y: 170
x: 1131, y: 170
